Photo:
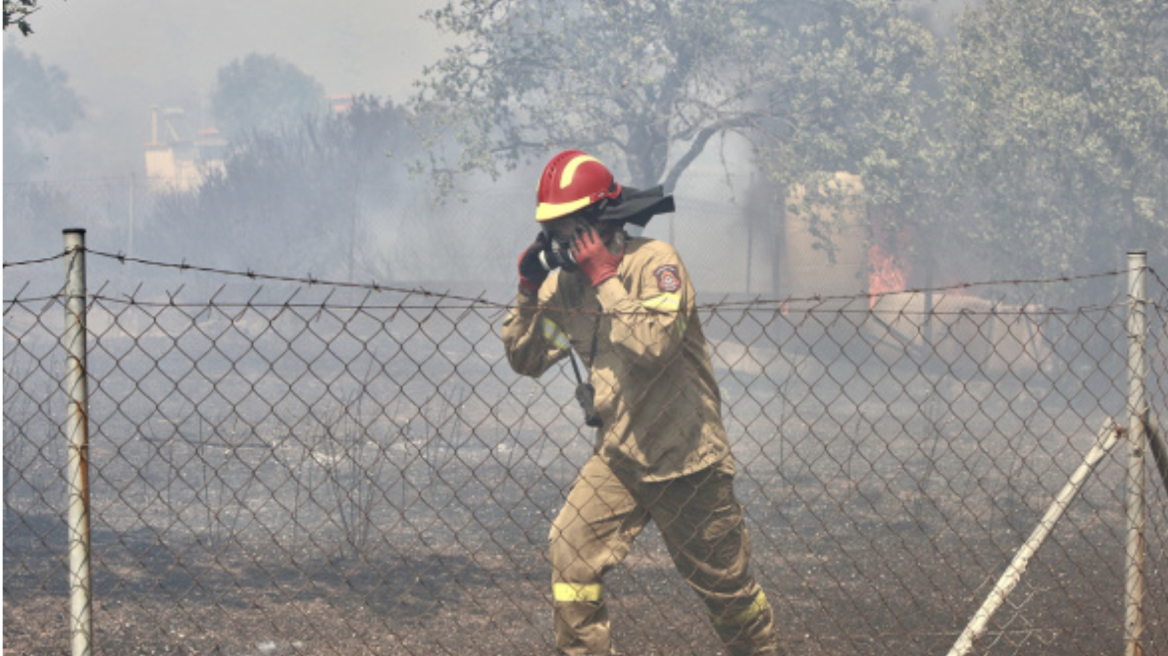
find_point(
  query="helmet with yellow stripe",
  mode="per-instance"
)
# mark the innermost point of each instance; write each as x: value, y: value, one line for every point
x: 572, y: 181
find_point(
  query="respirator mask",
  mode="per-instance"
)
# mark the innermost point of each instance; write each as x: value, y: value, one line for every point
x: 557, y: 253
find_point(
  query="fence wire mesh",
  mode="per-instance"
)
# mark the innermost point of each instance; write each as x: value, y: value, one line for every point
x: 288, y: 466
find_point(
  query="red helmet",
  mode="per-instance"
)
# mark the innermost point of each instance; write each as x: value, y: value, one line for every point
x: 570, y: 181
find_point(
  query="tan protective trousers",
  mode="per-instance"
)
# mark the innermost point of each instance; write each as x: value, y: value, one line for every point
x: 701, y: 522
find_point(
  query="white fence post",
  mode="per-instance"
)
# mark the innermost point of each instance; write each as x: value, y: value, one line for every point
x: 77, y: 432
x: 1137, y: 410
x: 1108, y: 436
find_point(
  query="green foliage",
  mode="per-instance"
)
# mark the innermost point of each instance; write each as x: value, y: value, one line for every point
x: 37, y: 102
x: 1059, y: 119
x: 263, y: 93
x: 16, y: 12
x: 856, y: 93
x: 855, y: 97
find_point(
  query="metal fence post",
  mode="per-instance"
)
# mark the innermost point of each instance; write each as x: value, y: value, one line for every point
x: 77, y: 432
x: 1137, y: 409
x: 1108, y: 436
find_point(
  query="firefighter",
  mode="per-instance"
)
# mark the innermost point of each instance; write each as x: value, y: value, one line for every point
x: 625, y: 307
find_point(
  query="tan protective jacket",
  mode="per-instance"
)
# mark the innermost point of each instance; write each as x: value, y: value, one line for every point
x: 655, y: 386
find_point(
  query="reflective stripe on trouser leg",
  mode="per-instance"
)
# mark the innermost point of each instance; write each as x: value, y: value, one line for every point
x: 759, y: 605
x: 702, y: 523
x: 569, y: 592
x: 750, y: 632
x: 591, y: 535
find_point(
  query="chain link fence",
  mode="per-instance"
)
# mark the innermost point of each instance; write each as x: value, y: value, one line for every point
x: 283, y: 466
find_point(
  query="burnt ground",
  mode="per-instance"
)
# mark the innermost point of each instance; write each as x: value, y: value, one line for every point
x: 843, y: 574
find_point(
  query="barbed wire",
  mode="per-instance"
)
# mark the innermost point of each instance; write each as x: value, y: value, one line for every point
x: 41, y: 260
x: 708, y: 307
x: 289, y: 304
x: 758, y: 302
x: 309, y: 280
x: 961, y: 286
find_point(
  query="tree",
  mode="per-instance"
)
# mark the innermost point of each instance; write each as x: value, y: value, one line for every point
x: 645, y: 83
x: 652, y: 82
x: 814, y: 85
x: 1059, y: 117
x: 37, y: 102
x: 857, y: 96
x: 263, y: 93
x: 16, y: 12
x: 297, y: 196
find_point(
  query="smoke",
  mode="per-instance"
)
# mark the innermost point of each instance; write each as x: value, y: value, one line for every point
x: 123, y: 61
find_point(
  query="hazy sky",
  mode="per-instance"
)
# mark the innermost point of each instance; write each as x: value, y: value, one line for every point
x: 122, y: 56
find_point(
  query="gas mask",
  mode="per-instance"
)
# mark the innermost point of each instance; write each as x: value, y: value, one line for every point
x: 557, y: 253
x: 557, y: 250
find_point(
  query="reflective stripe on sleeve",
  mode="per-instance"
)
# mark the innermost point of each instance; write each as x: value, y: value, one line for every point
x: 553, y: 333
x: 569, y: 592
x: 752, y: 611
x: 668, y: 302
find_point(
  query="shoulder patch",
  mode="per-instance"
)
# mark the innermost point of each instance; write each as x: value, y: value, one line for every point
x: 668, y: 278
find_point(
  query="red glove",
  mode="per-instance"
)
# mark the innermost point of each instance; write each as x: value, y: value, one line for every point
x: 593, y: 257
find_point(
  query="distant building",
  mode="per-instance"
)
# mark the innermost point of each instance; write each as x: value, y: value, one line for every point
x: 176, y: 159
x: 832, y: 210
x: 341, y: 102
